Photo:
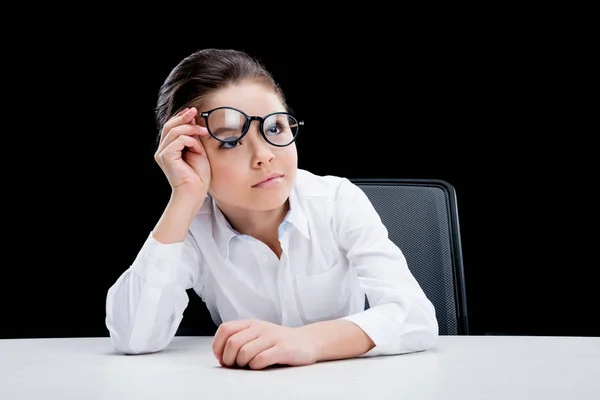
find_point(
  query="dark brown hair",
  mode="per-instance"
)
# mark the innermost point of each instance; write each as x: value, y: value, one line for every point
x: 203, y: 72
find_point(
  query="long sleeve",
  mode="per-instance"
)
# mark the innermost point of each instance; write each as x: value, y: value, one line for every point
x: 144, y: 307
x: 401, y: 318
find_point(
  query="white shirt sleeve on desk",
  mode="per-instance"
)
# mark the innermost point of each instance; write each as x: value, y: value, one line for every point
x: 145, y: 305
x: 401, y: 318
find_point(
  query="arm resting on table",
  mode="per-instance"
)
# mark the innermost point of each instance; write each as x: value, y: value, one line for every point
x: 145, y: 305
x: 401, y: 318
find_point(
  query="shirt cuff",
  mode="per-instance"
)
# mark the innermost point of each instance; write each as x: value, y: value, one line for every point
x: 379, y: 327
x: 156, y: 262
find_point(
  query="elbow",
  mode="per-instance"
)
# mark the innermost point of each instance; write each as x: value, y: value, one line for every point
x: 122, y: 345
x: 429, y: 336
x: 127, y: 342
x: 421, y: 330
x: 428, y: 333
x: 423, y: 338
x: 413, y: 330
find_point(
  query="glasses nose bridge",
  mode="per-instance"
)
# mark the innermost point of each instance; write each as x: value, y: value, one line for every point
x: 249, y: 120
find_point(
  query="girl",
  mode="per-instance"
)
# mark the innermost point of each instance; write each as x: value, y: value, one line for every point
x: 282, y: 258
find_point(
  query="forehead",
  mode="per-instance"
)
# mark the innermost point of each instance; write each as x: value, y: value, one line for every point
x: 254, y: 98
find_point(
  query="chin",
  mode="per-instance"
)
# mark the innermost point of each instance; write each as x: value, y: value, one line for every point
x: 270, y: 201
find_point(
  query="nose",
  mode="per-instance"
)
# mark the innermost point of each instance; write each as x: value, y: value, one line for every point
x: 262, y: 151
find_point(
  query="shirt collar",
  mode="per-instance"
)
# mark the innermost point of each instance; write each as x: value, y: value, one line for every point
x: 296, y: 215
x: 223, y: 232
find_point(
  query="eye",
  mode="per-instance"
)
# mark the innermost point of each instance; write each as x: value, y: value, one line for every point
x: 230, y: 145
x: 274, y: 129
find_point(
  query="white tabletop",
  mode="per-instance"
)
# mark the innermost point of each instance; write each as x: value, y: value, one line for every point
x: 459, y: 367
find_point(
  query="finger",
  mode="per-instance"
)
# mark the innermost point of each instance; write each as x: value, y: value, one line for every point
x: 182, y: 111
x: 181, y: 143
x: 251, y: 349
x: 185, y: 129
x: 271, y: 356
x: 184, y: 117
x: 185, y: 142
x: 174, y: 150
x: 224, y: 331
x: 188, y: 129
x: 235, y: 343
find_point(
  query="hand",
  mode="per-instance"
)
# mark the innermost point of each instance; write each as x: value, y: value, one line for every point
x: 258, y: 344
x: 180, y: 154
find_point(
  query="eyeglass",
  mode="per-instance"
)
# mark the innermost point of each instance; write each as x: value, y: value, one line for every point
x: 229, y: 125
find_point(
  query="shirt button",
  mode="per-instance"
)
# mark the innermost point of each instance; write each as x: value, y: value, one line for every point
x: 264, y: 258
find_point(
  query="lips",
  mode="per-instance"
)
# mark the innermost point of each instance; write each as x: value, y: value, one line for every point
x: 267, y: 178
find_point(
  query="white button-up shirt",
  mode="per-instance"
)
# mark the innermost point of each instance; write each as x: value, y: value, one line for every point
x: 335, y: 250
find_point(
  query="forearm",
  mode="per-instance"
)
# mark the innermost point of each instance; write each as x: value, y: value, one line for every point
x: 177, y: 217
x: 146, y: 303
x: 338, y: 339
x: 140, y: 317
x: 405, y: 326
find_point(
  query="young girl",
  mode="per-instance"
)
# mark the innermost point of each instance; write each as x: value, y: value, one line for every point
x: 282, y: 258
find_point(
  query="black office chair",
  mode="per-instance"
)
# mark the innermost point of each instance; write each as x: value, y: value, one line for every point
x: 421, y: 216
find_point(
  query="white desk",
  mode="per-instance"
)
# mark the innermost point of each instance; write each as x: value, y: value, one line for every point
x: 462, y: 368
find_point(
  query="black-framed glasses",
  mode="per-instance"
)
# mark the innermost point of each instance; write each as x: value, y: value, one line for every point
x: 229, y: 125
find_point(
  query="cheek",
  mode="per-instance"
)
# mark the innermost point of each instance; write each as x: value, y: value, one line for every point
x: 290, y: 155
x: 224, y: 171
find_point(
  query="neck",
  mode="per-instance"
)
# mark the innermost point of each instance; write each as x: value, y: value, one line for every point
x: 262, y: 225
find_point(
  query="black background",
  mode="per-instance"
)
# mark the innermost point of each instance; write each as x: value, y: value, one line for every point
x: 474, y: 107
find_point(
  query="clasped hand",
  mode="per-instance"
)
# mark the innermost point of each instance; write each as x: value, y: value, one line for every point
x: 258, y: 344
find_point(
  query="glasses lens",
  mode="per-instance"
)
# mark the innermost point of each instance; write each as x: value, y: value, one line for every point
x: 280, y: 129
x: 226, y: 124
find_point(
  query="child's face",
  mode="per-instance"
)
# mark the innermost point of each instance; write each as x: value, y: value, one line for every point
x: 235, y: 170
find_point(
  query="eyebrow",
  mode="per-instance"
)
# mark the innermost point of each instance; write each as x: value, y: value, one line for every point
x: 223, y: 129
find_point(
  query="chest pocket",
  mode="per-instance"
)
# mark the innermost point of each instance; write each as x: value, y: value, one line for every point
x: 326, y: 295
